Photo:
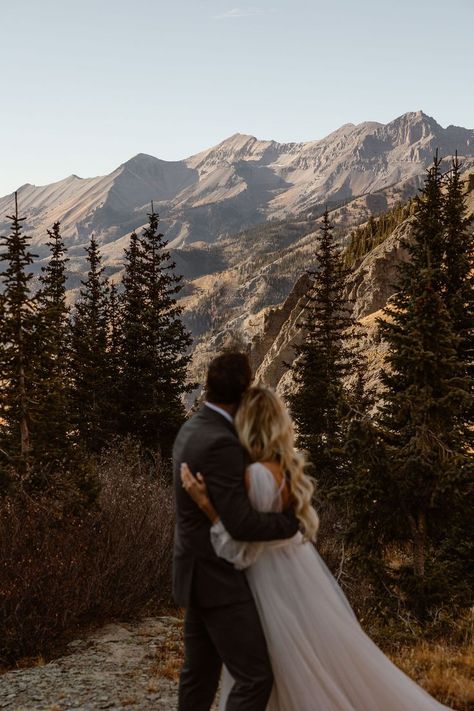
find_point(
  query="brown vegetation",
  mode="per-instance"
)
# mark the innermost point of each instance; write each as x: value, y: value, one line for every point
x: 60, y: 571
x: 169, y: 656
x: 443, y: 669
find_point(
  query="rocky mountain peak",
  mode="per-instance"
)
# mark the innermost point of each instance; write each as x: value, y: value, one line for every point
x: 411, y: 128
x: 239, y: 146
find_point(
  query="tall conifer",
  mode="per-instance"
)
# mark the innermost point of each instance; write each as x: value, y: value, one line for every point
x: 132, y: 337
x: 53, y: 429
x: 114, y: 353
x: 155, y: 342
x: 323, y: 361
x: 459, y: 264
x: 90, y: 367
x: 426, y: 394
x: 17, y: 349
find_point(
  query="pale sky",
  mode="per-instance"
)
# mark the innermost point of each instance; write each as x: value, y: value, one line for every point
x: 87, y: 84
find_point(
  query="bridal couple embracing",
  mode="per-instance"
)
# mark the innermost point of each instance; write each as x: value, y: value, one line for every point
x: 262, y: 609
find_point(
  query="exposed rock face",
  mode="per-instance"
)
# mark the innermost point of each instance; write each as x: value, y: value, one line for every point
x: 373, y: 279
x: 371, y: 285
x: 281, y: 331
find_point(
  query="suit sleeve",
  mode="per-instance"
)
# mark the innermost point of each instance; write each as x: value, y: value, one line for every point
x: 224, y: 475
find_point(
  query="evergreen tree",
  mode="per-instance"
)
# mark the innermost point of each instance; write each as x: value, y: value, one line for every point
x: 52, y: 427
x: 154, y: 343
x: 458, y: 546
x: 323, y: 361
x: 459, y: 264
x: 90, y: 365
x: 132, y: 337
x: 426, y: 246
x: 114, y: 318
x: 17, y: 350
x: 426, y: 395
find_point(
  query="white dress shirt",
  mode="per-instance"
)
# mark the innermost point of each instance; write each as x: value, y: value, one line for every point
x: 220, y: 411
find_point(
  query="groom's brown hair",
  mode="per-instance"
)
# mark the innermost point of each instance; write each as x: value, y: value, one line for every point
x: 228, y: 377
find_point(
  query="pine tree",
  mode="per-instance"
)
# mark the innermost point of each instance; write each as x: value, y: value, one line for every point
x: 90, y: 366
x: 155, y: 343
x: 114, y: 343
x: 427, y: 247
x: 323, y: 361
x: 132, y: 337
x: 426, y: 394
x: 459, y: 264
x: 17, y: 350
x: 114, y: 319
x: 52, y: 427
x: 458, y: 546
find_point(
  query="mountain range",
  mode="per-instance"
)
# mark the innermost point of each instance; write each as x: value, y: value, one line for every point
x: 242, y: 220
x: 239, y: 183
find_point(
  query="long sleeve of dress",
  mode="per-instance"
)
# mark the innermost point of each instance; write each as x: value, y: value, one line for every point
x: 239, y: 553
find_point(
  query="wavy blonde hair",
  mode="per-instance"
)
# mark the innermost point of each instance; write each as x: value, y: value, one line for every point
x: 266, y: 431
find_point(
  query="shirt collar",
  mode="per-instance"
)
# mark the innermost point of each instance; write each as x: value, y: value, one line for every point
x: 222, y: 412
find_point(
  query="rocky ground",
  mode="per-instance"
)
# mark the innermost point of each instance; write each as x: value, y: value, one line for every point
x: 122, y: 666
x: 134, y: 666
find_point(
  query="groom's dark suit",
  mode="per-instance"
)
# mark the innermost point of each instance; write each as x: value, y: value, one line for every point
x: 222, y: 623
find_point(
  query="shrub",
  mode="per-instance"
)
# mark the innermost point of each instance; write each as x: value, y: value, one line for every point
x: 60, y: 571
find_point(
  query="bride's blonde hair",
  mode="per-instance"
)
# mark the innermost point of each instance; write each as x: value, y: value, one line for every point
x: 266, y: 431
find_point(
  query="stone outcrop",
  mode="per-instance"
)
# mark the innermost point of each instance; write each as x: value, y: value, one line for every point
x: 121, y: 666
x: 274, y: 345
x: 373, y: 279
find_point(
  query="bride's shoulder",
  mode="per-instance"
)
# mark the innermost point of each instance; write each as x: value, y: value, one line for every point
x: 257, y: 471
x: 262, y: 486
x: 250, y: 471
x: 258, y: 468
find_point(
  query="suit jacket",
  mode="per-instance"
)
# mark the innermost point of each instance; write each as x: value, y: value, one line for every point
x: 208, y: 443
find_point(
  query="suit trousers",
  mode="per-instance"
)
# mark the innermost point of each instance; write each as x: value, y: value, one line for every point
x: 233, y: 635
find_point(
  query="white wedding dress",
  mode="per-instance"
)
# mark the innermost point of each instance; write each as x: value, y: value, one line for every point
x: 322, y: 660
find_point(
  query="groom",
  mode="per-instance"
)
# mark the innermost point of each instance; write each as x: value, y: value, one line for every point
x: 221, y: 622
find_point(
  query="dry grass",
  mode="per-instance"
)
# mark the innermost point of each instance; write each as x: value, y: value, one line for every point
x: 445, y: 671
x: 169, y: 657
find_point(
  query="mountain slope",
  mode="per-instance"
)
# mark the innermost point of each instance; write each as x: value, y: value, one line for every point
x: 236, y: 184
x: 256, y: 304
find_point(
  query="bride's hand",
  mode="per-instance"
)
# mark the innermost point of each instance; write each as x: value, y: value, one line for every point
x: 195, y: 486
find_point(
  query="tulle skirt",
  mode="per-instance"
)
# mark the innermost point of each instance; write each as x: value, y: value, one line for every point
x: 322, y: 660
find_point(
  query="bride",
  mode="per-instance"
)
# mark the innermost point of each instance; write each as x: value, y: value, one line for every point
x: 322, y: 660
